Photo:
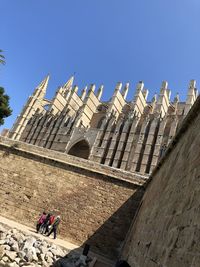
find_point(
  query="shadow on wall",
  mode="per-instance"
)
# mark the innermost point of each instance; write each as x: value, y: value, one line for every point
x: 82, y: 210
x: 108, y: 239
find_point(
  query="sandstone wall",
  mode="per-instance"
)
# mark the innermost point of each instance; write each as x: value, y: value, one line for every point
x: 166, y: 230
x: 96, y: 203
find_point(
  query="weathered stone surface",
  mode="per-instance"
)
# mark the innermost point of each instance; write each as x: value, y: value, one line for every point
x: 11, y: 255
x: 166, y: 231
x: 94, y: 208
x: 13, y: 264
x: 2, y: 252
x: 29, y: 255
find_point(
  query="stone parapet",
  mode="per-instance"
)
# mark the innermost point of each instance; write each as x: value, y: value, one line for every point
x: 62, y: 158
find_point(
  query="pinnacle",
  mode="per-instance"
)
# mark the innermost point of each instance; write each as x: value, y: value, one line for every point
x: 43, y: 85
x: 69, y: 83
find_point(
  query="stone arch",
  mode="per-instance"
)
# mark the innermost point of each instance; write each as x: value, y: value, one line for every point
x: 80, y: 149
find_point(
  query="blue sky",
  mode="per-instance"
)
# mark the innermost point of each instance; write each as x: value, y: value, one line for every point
x: 102, y: 41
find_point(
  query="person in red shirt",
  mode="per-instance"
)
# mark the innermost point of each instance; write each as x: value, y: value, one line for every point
x: 40, y: 221
x: 51, y: 220
x: 48, y: 222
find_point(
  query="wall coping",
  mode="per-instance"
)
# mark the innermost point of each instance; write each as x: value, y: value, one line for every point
x: 44, y: 153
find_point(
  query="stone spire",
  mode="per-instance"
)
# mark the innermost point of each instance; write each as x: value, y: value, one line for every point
x: 100, y: 92
x: 40, y: 90
x: 91, y: 88
x: 34, y: 103
x: 125, y: 90
x: 153, y: 103
x: 75, y: 89
x: 140, y: 86
x: 67, y: 87
x: 118, y: 87
x: 191, y: 96
x: 163, y: 100
x: 83, y: 93
x: 139, y: 101
x: 69, y: 83
x: 176, y: 98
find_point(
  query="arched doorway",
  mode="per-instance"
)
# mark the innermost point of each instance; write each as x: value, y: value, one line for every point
x: 80, y: 149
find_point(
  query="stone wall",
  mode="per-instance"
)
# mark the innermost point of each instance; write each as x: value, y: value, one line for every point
x: 96, y: 203
x: 166, y: 230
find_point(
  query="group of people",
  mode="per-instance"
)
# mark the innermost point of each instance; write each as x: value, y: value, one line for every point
x: 48, y: 224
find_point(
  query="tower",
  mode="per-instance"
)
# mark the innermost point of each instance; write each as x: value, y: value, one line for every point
x: 35, y: 103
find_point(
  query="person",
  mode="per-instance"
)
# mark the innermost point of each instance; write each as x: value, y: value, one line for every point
x: 40, y: 221
x: 51, y: 220
x: 45, y: 225
x: 54, y: 227
x: 49, y: 223
x: 122, y: 263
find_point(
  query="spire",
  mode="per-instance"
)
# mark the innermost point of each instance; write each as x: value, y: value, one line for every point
x: 69, y: 83
x: 75, y: 88
x: 192, y: 84
x: 154, y: 99
x: 92, y: 88
x: 176, y: 98
x: 99, y: 92
x: 164, y: 85
x: 83, y: 93
x: 145, y: 93
x: 192, y: 93
x: 191, y: 96
x: 163, y: 100
x: 140, y: 86
x: 40, y: 90
x: 125, y: 90
x: 153, y: 103
x: 118, y: 87
x: 164, y: 88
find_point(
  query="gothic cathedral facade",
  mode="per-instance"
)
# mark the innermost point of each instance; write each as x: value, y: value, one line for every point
x: 130, y: 135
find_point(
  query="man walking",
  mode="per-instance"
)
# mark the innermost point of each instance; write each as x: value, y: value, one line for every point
x: 54, y: 227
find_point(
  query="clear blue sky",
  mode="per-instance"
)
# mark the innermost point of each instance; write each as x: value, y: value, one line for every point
x: 103, y: 41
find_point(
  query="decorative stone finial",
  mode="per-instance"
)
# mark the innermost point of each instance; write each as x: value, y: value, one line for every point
x: 83, y: 93
x: 75, y: 88
x: 164, y: 85
x: 140, y: 86
x: 125, y: 90
x: 100, y: 92
x: 192, y: 84
x: 176, y: 98
x: 118, y: 86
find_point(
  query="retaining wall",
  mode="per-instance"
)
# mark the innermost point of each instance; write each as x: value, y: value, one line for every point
x: 96, y: 203
x: 166, y: 230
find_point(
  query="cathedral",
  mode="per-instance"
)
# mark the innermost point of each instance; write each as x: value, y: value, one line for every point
x: 130, y: 135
